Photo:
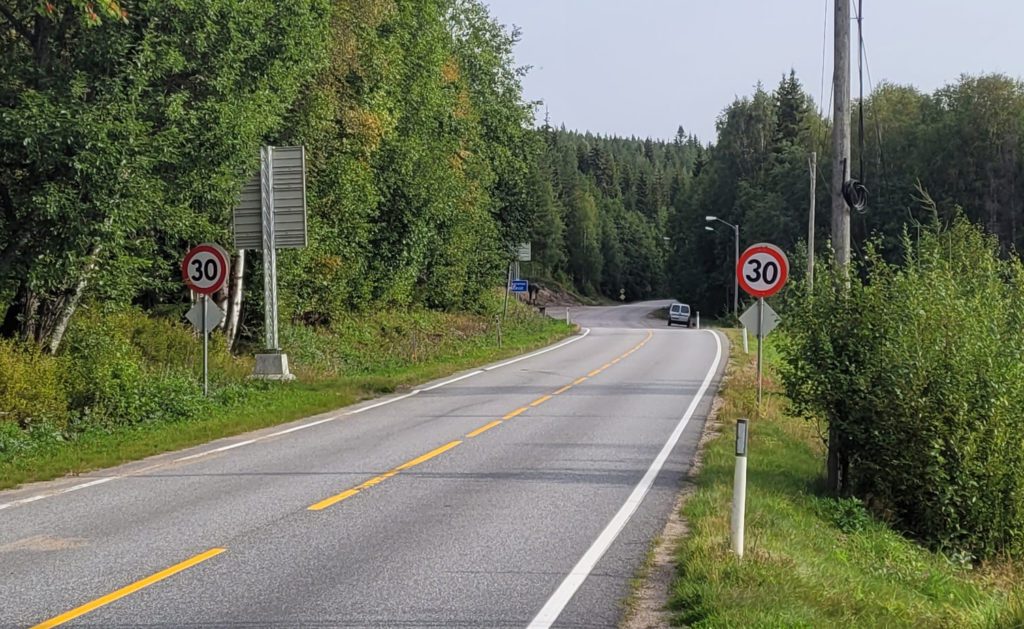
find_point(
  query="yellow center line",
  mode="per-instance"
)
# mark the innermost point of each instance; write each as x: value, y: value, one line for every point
x: 518, y: 411
x: 323, y: 504
x: 484, y: 428
x: 348, y: 493
x: 426, y: 457
x: 128, y: 589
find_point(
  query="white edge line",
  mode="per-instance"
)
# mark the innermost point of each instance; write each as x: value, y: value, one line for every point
x: 586, y: 331
x: 239, y: 444
x: 560, y: 598
x: 453, y: 380
x: 98, y: 481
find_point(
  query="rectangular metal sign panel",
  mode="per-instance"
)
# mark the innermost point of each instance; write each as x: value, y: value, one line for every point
x: 524, y: 252
x: 289, y: 197
x: 248, y: 216
x: 290, y: 232
x: 519, y: 286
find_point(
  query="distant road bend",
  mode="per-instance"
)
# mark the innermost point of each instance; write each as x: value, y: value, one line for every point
x: 522, y: 494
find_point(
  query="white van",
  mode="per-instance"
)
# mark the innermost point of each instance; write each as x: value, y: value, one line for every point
x: 679, y: 313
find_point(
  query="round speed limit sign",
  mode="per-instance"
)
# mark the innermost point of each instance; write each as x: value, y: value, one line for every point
x: 205, y: 268
x: 762, y: 270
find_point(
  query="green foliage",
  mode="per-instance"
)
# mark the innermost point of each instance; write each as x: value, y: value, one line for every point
x: 812, y: 561
x: 30, y: 388
x: 918, y: 370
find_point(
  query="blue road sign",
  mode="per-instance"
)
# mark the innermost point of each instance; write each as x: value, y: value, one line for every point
x: 519, y: 286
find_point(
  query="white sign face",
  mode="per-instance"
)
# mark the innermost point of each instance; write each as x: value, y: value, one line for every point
x: 749, y: 320
x: 524, y: 252
x: 205, y: 268
x: 762, y: 270
x: 214, y: 315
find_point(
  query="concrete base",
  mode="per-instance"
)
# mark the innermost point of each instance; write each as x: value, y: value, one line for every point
x: 272, y: 367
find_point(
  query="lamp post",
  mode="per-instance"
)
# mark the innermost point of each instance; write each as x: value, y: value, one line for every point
x: 736, y: 281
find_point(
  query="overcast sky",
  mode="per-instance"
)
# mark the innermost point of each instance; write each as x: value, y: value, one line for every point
x: 644, y: 67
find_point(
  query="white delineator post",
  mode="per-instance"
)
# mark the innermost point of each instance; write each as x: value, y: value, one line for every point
x: 746, y: 343
x: 739, y: 491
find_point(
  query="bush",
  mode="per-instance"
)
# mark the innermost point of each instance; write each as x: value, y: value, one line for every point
x: 126, y: 368
x: 918, y: 370
x: 30, y: 387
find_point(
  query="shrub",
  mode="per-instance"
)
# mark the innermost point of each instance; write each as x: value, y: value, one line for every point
x: 30, y: 387
x: 918, y: 370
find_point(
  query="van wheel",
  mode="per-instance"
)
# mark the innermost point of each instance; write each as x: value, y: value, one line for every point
x: 669, y: 324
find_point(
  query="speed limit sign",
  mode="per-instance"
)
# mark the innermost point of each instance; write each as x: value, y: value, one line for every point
x: 762, y: 270
x: 205, y: 268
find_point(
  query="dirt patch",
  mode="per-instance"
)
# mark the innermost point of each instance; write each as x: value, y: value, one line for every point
x: 648, y: 604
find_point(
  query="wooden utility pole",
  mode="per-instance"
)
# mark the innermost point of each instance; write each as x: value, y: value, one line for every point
x: 840, y: 210
x: 810, y: 220
x: 841, y: 133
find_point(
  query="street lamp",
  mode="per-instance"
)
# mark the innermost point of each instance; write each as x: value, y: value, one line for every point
x: 736, y: 281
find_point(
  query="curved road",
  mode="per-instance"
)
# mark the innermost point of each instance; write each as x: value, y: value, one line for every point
x: 522, y: 494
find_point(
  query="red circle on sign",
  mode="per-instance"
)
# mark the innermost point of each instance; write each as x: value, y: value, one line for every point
x: 762, y: 270
x: 200, y: 278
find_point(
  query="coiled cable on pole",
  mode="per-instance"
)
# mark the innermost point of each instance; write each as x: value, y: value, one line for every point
x: 856, y: 194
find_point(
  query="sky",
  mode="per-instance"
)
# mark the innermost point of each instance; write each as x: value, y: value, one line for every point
x: 645, y: 67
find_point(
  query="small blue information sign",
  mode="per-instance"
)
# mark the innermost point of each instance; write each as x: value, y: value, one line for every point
x: 519, y: 286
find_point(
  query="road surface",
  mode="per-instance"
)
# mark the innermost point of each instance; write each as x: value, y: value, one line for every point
x: 522, y: 494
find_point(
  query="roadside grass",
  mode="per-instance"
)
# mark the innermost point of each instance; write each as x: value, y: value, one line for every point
x: 810, y: 560
x: 237, y: 405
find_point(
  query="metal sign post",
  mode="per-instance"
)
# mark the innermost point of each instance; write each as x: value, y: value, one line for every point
x: 761, y: 271
x: 205, y: 271
x: 269, y: 250
x: 206, y: 347
x: 271, y: 215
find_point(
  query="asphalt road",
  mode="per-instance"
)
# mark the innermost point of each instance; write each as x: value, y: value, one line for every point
x: 522, y: 495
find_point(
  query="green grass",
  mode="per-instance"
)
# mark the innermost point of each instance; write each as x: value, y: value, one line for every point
x: 812, y: 561
x: 335, y: 370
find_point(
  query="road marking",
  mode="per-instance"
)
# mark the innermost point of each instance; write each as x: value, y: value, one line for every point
x: 518, y: 411
x: 326, y: 502
x: 586, y: 331
x: 426, y: 457
x: 128, y: 589
x: 376, y: 480
x: 579, y: 380
x: 562, y: 390
x: 594, y: 372
x: 453, y: 380
x: 579, y: 573
x: 199, y: 455
x: 482, y: 429
x: 540, y: 400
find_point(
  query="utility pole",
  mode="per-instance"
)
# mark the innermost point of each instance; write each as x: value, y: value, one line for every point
x: 810, y: 221
x: 841, y: 133
x: 840, y: 210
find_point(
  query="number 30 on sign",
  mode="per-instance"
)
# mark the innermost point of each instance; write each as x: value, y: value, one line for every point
x: 762, y: 270
x: 205, y: 268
